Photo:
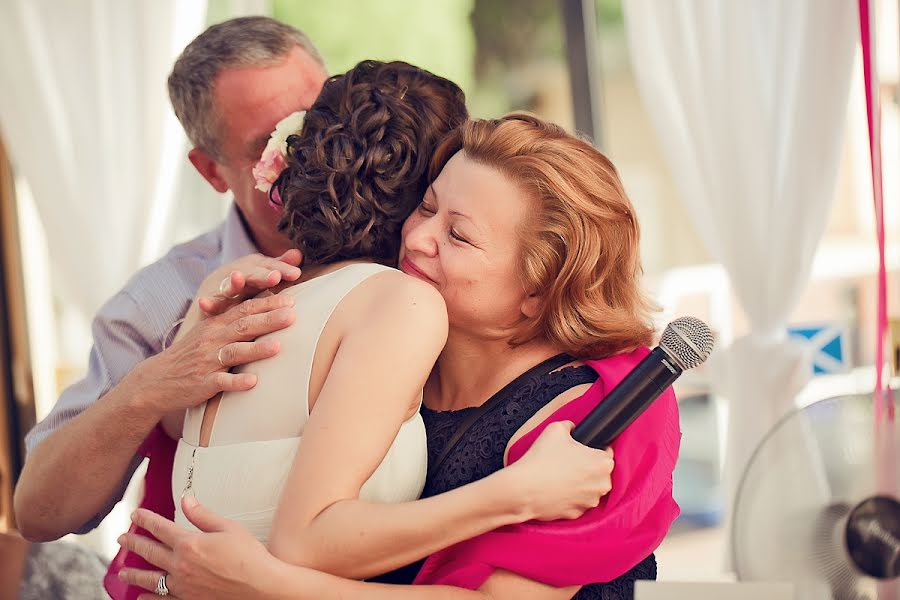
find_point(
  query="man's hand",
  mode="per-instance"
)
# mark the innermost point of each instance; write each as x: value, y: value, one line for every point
x: 195, y: 367
x: 244, y: 278
x: 70, y: 477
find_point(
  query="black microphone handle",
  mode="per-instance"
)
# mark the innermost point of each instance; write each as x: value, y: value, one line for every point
x: 628, y: 400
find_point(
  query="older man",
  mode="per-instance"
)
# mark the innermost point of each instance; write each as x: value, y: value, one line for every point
x: 229, y: 88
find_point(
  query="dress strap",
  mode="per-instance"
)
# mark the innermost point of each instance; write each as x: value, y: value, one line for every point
x: 539, y: 370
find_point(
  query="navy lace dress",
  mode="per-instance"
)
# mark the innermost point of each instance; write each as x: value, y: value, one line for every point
x: 480, y: 452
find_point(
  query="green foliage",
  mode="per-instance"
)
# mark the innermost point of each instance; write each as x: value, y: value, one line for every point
x: 609, y: 13
x: 434, y: 35
x: 491, y: 48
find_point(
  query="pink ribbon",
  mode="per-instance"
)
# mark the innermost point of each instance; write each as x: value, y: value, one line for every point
x: 873, y: 112
x: 885, y: 455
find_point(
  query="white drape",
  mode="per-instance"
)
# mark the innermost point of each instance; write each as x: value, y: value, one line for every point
x: 85, y: 114
x: 748, y: 98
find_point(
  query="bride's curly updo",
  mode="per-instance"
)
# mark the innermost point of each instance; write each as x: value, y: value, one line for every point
x: 359, y: 166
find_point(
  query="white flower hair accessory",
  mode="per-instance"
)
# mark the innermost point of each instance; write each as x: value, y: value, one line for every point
x: 274, y: 157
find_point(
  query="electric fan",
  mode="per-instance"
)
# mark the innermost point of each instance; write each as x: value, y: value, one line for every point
x: 818, y: 504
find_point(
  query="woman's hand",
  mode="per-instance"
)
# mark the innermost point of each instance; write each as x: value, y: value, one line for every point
x: 558, y: 478
x: 222, y: 561
x: 244, y: 278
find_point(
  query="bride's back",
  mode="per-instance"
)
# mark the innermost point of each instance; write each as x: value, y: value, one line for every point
x: 288, y: 383
x: 240, y: 468
x: 354, y: 173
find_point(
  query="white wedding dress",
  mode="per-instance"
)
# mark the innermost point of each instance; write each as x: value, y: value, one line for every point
x: 256, y: 433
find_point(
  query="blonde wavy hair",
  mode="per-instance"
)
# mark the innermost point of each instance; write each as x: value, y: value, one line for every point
x: 580, y: 249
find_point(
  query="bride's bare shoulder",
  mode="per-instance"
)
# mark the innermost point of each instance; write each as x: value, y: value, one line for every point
x: 396, y: 305
x: 393, y: 290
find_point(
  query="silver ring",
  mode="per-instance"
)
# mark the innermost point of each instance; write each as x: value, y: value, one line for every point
x: 223, y: 286
x: 161, y: 589
x: 219, y: 356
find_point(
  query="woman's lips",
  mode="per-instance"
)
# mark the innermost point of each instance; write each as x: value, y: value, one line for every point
x: 408, y: 267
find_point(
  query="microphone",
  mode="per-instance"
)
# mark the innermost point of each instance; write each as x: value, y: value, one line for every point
x: 685, y: 343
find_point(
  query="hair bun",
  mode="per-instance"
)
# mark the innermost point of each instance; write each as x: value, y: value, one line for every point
x: 359, y: 167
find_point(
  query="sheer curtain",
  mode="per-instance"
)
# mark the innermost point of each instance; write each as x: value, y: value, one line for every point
x: 749, y: 99
x: 86, y: 116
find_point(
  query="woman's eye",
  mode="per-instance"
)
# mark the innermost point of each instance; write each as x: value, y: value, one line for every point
x: 458, y: 237
x: 426, y: 209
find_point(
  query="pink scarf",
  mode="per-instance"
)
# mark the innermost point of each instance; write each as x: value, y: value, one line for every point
x: 605, y: 542
x: 160, y: 449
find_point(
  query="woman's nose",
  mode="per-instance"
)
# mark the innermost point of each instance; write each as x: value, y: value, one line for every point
x: 419, y: 237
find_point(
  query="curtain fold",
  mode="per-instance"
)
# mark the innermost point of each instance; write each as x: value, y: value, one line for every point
x: 86, y: 117
x: 748, y: 99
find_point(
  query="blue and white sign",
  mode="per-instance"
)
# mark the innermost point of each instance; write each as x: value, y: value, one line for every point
x: 827, y: 345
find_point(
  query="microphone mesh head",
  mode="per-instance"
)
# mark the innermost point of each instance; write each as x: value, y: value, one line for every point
x: 688, y: 341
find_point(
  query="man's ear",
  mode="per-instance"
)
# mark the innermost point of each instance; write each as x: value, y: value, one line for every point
x: 531, y: 305
x: 207, y: 166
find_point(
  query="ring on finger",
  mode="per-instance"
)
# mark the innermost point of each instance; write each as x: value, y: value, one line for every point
x: 161, y: 588
x: 223, y: 288
x: 219, y: 356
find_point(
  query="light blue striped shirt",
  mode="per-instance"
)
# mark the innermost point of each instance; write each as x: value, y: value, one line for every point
x: 135, y: 324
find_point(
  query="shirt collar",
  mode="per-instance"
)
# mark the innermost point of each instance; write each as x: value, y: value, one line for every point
x: 236, y: 240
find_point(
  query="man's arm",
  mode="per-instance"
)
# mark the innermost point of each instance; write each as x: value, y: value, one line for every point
x: 77, y: 469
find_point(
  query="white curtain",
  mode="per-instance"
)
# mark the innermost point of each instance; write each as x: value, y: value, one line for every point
x: 748, y: 98
x: 86, y: 117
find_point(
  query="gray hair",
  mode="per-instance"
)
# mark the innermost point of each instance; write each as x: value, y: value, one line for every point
x: 241, y: 42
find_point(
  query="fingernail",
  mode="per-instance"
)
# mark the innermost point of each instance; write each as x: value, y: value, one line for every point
x: 120, y: 539
x: 190, y: 501
x: 122, y: 575
x: 134, y: 515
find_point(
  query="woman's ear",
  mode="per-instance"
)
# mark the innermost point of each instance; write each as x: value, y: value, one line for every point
x: 208, y: 167
x: 531, y: 305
